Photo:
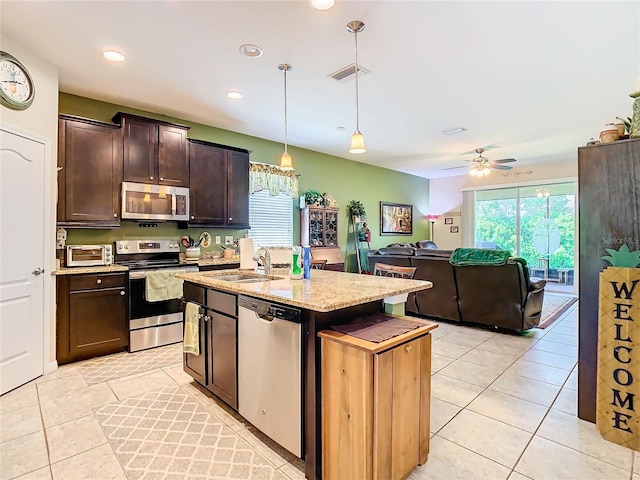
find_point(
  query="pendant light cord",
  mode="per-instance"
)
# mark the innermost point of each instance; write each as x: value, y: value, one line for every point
x: 355, y: 34
x: 286, y: 143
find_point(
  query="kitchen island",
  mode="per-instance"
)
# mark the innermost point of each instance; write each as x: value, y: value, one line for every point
x: 327, y: 299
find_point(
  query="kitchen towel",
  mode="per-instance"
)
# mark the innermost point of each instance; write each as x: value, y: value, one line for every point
x: 161, y: 285
x: 246, y: 253
x: 191, y: 329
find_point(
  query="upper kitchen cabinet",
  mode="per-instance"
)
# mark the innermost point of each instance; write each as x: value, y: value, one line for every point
x: 89, y: 173
x: 154, y: 151
x: 219, y: 189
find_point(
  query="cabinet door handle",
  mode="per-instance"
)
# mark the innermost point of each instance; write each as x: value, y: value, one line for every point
x: 115, y: 215
x: 161, y: 178
x: 230, y: 218
x: 408, y: 348
x: 122, y: 292
x: 192, y: 217
x: 98, y: 281
x: 150, y: 178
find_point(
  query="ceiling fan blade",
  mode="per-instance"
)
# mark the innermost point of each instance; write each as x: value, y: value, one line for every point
x: 500, y: 167
x: 453, y: 168
x: 505, y: 160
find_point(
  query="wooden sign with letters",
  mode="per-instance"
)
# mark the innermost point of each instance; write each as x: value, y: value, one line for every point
x: 618, y: 388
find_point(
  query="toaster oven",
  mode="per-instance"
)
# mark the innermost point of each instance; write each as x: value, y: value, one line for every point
x: 88, y: 255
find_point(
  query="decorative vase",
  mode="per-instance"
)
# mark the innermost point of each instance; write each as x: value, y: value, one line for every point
x: 609, y: 133
x: 635, y: 121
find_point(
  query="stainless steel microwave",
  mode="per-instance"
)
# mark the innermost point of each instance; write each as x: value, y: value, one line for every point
x: 141, y: 201
x: 89, y: 255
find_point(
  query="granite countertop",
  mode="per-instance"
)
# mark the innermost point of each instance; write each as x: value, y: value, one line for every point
x: 97, y: 269
x: 325, y: 291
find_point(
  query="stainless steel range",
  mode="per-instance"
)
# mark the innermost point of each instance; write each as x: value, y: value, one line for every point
x: 151, y: 323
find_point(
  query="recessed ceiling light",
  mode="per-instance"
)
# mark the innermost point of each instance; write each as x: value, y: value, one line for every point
x: 113, y: 56
x: 250, y: 50
x: 322, y: 4
x: 454, y: 131
x: 234, y: 94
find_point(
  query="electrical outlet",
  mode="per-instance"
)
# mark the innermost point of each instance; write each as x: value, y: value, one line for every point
x: 228, y: 239
x: 218, y: 240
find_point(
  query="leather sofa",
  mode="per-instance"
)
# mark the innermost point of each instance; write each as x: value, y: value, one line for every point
x: 502, y: 297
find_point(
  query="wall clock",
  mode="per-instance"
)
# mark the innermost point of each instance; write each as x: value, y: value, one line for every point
x: 17, y: 90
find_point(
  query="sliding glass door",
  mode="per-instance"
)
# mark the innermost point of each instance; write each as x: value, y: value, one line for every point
x: 536, y: 223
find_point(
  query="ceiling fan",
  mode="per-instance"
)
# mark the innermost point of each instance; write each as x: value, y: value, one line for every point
x: 482, y: 166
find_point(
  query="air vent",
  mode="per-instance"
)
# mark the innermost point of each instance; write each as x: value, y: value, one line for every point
x: 345, y: 73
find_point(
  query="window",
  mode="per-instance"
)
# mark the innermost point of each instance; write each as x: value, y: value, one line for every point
x: 271, y: 219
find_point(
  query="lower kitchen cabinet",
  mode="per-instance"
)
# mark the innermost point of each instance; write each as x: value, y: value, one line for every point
x: 216, y: 366
x: 91, y: 316
x: 375, y: 405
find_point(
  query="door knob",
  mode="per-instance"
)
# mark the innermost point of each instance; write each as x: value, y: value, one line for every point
x: 38, y: 271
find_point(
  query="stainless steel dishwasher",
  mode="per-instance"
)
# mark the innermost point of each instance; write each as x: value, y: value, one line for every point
x: 270, y: 370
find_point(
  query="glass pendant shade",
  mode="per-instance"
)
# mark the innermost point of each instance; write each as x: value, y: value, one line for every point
x: 286, y: 163
x: 357, y: 143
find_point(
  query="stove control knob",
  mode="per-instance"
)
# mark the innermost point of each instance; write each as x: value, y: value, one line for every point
x: 126, y: 246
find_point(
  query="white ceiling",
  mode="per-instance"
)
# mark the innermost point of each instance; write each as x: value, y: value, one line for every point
x: 530, y: 80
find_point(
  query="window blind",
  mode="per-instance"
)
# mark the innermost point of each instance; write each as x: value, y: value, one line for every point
x: 271, y: 219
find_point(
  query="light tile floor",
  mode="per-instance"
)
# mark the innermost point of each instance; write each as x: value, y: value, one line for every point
x: 503, y: 407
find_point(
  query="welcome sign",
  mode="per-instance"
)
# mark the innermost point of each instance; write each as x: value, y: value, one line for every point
x: 618, y: 394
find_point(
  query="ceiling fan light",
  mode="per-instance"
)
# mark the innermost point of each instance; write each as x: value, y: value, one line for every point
x: 286, y: 162
x: 486, y: 171
x: 357, y: 143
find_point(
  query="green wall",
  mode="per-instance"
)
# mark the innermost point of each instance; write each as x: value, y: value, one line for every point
x: 344, y: 179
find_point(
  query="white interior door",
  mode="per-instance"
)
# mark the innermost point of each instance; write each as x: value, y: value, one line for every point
x: 21, y: 260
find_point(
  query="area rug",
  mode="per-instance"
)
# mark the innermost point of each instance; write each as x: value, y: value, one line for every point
x: 166, y: 434
x: 553, y: 307
x: 111, y: 367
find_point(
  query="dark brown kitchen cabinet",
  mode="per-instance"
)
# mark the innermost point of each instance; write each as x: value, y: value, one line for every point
x: 91, y: 316
x: 219, y: 188
x: 89, y: 173
x: 154, y: 151
x: 216, y: 366
x: 238, y: 189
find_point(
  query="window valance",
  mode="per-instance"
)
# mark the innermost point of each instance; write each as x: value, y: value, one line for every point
x: 272, y: 178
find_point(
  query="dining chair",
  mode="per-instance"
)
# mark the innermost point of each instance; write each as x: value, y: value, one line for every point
x: 318, y: 264
x: 385, y: 270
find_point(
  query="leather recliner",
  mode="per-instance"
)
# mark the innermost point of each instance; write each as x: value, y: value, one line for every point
x: 497, y: 296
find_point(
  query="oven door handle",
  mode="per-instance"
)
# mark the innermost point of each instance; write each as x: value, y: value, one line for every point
x: 136, y: 274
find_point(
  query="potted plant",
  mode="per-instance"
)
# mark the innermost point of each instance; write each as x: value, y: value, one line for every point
x: 355, y: 210
x: 314, y: 198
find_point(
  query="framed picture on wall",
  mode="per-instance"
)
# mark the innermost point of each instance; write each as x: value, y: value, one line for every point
x: 396, y: 219
x: 453, y: 229
x: 448, y: 220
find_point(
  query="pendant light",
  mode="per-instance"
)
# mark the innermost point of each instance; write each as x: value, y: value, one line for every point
x: 357, y: 139
x: 286, y: 163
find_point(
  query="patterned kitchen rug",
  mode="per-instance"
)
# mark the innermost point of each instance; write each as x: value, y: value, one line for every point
x: 553, y: 306
x: 166, y: 434
x: 119, y: 365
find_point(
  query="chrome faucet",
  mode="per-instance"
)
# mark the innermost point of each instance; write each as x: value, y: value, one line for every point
x: 262, y: 255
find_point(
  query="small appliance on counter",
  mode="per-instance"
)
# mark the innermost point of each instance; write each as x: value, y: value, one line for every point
x: 88, y: 255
